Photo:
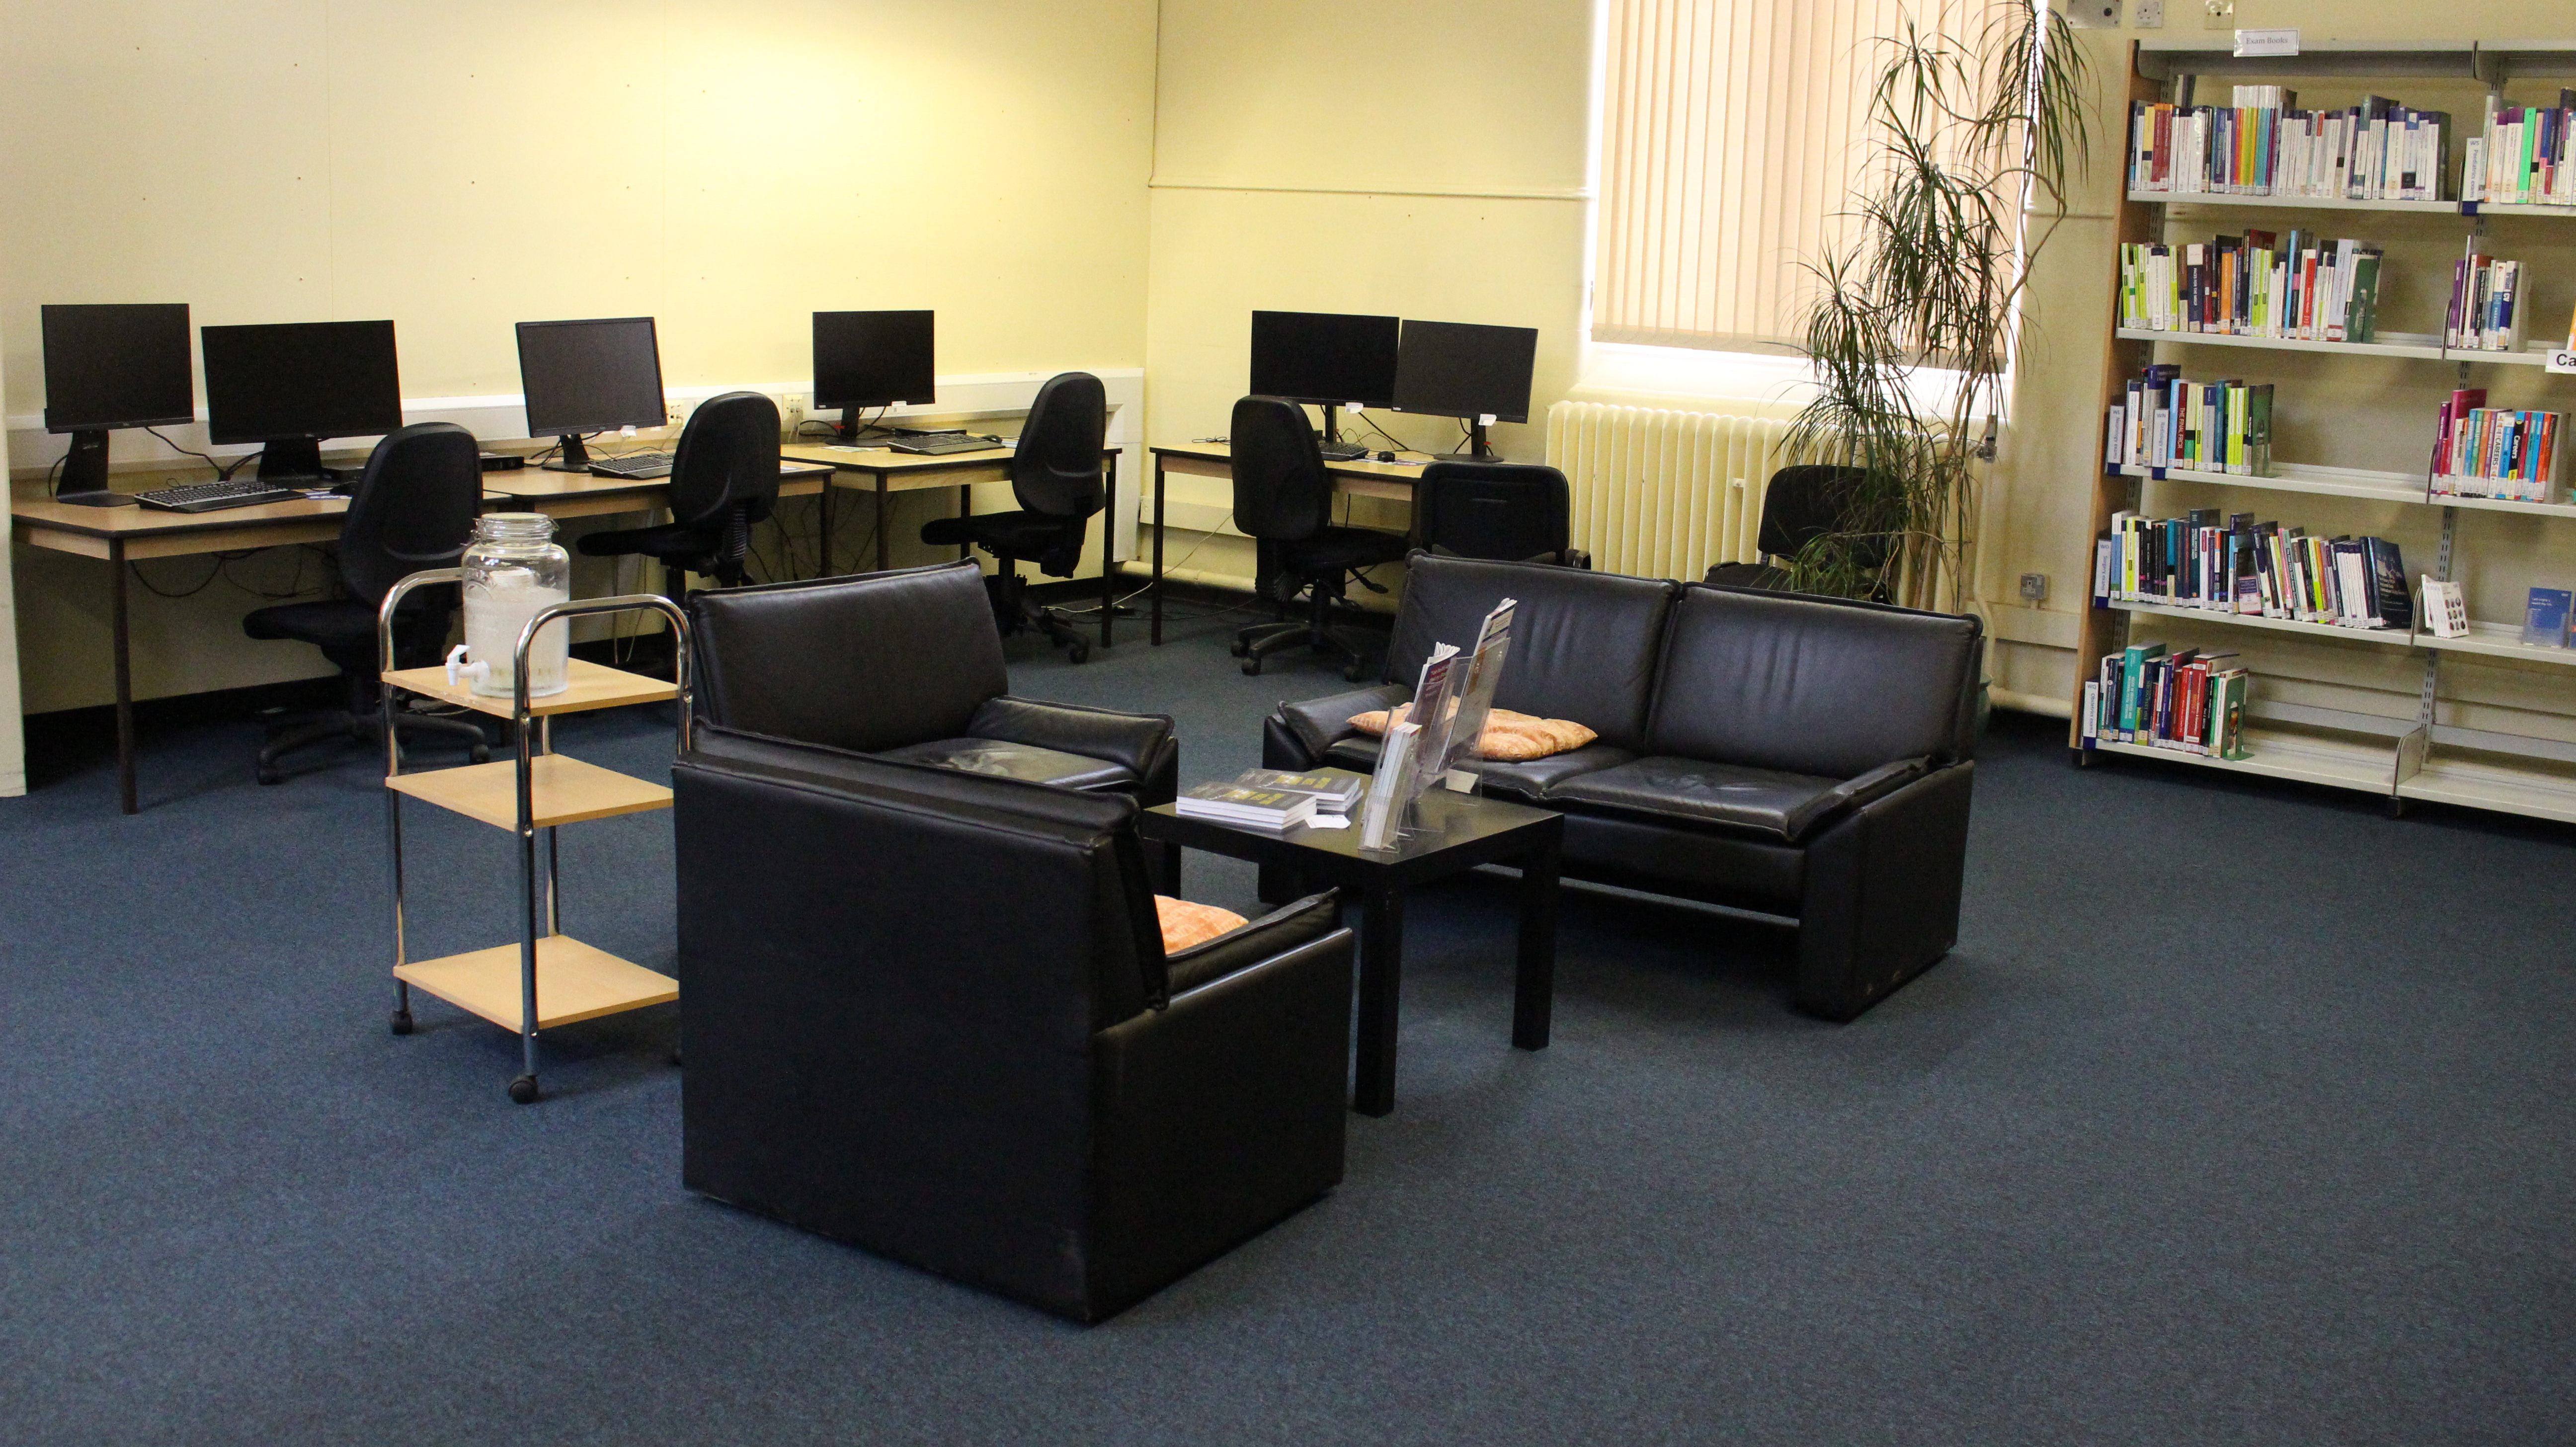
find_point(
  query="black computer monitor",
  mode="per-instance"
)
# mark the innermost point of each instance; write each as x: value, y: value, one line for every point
x: 1460, y: 369
x: 590, y: 376
x: 1326, y: 358
x: 873, y: 359
x: 108, y: 367
x: 291, y: 384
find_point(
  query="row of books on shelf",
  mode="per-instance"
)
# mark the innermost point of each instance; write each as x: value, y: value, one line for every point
x: 2264, y: 145
x: 2523, y: 156
x: 2167, y: 420
x: 2486, y: 304
x: 2192, y: 702
x: 2297, y: 285
x: 2235, y: 565
x: 2493, y: 452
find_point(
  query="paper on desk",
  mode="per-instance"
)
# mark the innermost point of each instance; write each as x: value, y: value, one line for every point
x: 1329, y: 821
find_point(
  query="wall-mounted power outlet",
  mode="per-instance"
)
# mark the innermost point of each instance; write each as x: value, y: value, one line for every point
x: 2093, y: 14
x: 2034, y: 586
x: 2148, y: 14
x: 2218, y: 14
x: 676, y: 410
x: 791, y: 416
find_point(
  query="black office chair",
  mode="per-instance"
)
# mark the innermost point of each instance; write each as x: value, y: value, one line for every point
x: 724, y: 479
x: 1506, y: 511
x: 1055, y: 475
x: 413, y: 509
x: 1283, y: 499
x: 1802, y: 504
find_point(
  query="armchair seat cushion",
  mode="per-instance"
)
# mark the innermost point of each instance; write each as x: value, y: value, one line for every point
x: 1333, y: 549
x: 669, y: 543
x: 1053, y: 543
x: 1003, y: 759
x: 1767, y: 802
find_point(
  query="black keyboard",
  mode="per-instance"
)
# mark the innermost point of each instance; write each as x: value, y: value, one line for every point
x: 633, y: 466
x: 1343, y: 451
x: 215, y: 496
x: 942, y: 443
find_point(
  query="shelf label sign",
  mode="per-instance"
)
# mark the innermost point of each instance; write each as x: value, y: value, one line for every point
x: 2281, y: 40
x: 2562, y: 360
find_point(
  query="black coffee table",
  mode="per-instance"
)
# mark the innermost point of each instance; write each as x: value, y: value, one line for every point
x: 1453, y: 832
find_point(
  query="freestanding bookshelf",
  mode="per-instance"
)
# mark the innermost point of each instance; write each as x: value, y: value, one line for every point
x: 2424, y: 754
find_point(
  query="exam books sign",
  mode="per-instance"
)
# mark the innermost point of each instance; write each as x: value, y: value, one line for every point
x: 1440, y: 731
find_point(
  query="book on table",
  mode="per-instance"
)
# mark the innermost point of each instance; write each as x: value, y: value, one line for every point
x: 1333, y: 793
x: 1275, y: 809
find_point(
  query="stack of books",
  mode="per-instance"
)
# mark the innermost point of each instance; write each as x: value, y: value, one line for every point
x: 2192, y: 702
x: 2296, y: 286
x: 2167, y: 420
x: 2262, y: 569
x: 1273, y: 799
x: 2263, y: 145
x: 2523, y: 159
x: 2486, y: 304
x: 2482, y: 451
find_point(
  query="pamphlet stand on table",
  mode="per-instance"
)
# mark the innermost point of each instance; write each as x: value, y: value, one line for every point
x: 540, y: 789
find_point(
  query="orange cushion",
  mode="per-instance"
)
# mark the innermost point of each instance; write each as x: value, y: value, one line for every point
x: 1186, y: 924
x: 1509, y: 737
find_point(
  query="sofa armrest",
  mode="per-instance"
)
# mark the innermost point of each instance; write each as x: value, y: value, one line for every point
x: 1134, y: 741
x: 1283, y: 929
x: 1850, y: 794
x: 1882, y: 895
x: 1318, y: 723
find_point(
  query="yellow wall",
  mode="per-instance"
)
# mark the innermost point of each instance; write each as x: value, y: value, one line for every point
x: 441, y: 162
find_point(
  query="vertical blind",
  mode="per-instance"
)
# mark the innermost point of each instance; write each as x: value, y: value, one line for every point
x: 1731, y: 137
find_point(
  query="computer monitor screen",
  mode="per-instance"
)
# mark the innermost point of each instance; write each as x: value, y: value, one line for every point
x: 1459, y: 369
x: 1324, y: 357
x: 591, y: 376
x: 117, y: 366
x: 290, y: 380
x: 874, y: 359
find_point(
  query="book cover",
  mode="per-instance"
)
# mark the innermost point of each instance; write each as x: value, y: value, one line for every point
x: 2446, y: 613
x: 1333, y: 793
x: 2544, y: 619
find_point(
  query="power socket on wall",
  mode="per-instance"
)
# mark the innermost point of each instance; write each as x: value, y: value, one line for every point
x: 2034, y: 586
x: 2218, y: 14
x: 2092, y: 14
x: 2148, y: 14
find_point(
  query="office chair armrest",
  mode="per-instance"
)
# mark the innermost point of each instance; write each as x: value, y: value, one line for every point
x: 1578, y: 558
x: 1134, y: 741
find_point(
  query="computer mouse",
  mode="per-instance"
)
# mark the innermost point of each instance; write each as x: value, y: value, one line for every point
x: 1385, y: 457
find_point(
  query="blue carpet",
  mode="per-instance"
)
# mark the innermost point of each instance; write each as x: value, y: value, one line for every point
x: 2241, y: 1115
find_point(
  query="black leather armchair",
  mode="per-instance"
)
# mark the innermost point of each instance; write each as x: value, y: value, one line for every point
x: 1032, y: 1099
x: 1800, y: 756
x: 906, y: 666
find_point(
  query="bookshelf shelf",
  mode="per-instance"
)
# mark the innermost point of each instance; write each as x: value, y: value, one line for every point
x: 2291, y: 477
x: 2416, y: 757
x: 2278, y: 625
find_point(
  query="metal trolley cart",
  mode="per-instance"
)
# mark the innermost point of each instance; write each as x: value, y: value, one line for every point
x: 548, y: 978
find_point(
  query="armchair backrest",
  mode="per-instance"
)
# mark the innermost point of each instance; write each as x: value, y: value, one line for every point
x: 865, y: 663
x: 1055, y: 469
x: 1583, y: 644
x: 727, y: 461
x: 412, y: 509
x: 1281, y: 491
x: 1809, y: 685
x: 1508, y: 510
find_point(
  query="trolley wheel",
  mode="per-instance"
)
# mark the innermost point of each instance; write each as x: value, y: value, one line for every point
x: 523, y: 1090
x: 1079, y: 653
x: 400, y: 1024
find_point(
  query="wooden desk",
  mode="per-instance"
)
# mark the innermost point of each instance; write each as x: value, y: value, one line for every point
x: 1215, y: 459
x: 121, y: 535
x: 887, y: 471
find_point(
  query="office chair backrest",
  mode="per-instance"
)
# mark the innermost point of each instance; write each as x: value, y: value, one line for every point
x: 1516, y: 512
x: 727, y: 462
x: 1055, y: 470
x: 1806, y: 502
x: 1281, y: 491
x: 413, y: 508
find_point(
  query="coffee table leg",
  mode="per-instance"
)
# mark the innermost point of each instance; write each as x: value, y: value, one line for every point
x: 1534, y: 986
x: 1381, y: 983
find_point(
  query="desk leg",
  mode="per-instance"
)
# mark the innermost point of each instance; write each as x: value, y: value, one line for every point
x: 120, y: 629
x: 823, y: 549
x: 882, y: 540
x: 1534, y: 985
x: 1155, y: 583
x: 1381, y: 985
x: 1108, y: 544
x: 965, y: 509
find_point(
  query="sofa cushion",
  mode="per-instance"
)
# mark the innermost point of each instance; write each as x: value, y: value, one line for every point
x: 1509, y: 736
x: 1764, y: 801
x: 1583, y: 643
x: 1003, y: 759
x: 1815, y: 686
x: 1186, y: 922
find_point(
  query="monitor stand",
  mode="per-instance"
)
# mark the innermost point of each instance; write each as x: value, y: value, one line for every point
x: 294, y: 462
x: 573, y: 458
x: 84, y: 481
x: 851, y: 429
x: 1478, y: 449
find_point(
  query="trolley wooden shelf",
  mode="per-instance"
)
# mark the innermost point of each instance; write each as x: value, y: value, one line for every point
x: 567, y: 791
x: 575, y: 981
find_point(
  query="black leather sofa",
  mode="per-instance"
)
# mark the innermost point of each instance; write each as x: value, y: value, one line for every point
x: 930, y: 1013
x: 907, y: 666
x: 1801, y: 756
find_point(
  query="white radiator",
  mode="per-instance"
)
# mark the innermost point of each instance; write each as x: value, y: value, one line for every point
x: 1662, y: 494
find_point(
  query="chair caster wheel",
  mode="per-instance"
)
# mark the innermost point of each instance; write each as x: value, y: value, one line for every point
x: 271, y: 777
x: 1079, y: 653
x: 1240, y: 648
x: 481, y: 754
x: 1353, y: 672
x: 1252, y: 668
x: 523, y: 1090
x: 400, y: 1024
